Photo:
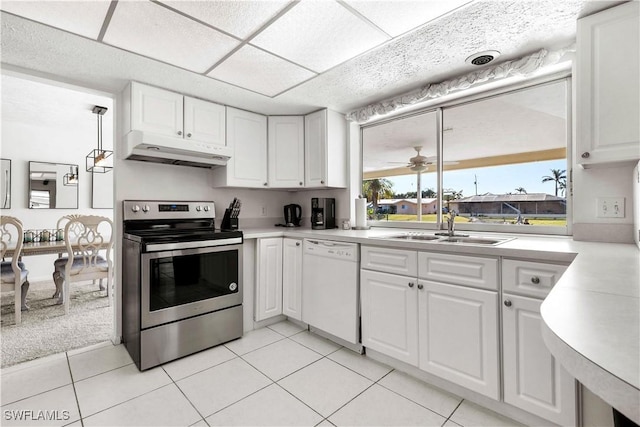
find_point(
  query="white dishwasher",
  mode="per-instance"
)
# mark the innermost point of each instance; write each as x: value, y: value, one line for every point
x: 330, y: 288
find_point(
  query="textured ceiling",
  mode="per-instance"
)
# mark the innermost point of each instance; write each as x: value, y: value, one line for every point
x: 262, y: 50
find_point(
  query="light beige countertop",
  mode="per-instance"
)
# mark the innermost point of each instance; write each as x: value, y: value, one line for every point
x: 591, y: 316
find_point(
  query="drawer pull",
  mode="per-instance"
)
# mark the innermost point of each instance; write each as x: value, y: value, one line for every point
x: 535, y: 280
x: 507, y: 303
x: 411, y: 284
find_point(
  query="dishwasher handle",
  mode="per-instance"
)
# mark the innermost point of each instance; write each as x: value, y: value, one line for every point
x: 331, y: 244
x: 330, y: 249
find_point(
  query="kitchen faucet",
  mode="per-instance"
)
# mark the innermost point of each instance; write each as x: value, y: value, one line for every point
x: 451, y: 232
x: 451, y: 223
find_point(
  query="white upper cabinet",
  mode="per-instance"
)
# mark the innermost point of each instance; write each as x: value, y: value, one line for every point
x: 607, y: 86
x: 247, y: 136
x: 156, y: 110
x: 325, y: 137
x: 171, y: 114
x: 286, y: 152
x: 204, y: 121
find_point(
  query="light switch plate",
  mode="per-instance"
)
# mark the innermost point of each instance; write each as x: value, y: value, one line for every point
x: 610, y: 207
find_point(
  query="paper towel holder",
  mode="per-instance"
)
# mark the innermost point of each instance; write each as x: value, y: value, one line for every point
x: 361, y: 227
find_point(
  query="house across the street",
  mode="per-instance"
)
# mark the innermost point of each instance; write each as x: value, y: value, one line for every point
x: 406, y: 206
x: 510, y: 204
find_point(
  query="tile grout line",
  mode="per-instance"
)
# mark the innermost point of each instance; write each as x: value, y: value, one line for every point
x: 359, y: 394
x: 73, y: 384
x: 128, y: 400
x: 418, y: 403
x: 453, y: 412
x: 185, y: 396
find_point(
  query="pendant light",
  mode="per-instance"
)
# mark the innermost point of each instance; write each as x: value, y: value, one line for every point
x: 71, y: 178
x: 97, y: 158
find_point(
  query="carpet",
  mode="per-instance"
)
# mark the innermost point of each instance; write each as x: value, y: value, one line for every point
x: 46, y: 330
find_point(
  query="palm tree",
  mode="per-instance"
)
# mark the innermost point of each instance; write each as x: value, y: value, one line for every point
x: 376, y: 189
x: 563, y: 187
x: 521, y: 190
x: 557, y: 175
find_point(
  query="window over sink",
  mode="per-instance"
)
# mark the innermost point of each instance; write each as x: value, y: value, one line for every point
x: 498, y: 161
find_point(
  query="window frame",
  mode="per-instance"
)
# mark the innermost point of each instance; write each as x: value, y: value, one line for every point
x: 439, y: 108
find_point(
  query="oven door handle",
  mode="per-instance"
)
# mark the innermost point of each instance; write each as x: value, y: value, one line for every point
x: 192, y: 245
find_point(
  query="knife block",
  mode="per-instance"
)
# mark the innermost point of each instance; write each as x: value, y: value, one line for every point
x: 228, y: 223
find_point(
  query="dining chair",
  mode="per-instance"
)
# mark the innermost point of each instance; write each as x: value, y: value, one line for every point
x: 74, y: 232
x: 14, y: 273
x: 84, y: 261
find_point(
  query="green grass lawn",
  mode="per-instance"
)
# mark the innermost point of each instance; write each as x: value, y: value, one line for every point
x: 460, y: 219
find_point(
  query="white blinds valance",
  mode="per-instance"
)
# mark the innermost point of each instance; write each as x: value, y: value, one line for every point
x: 520, y: 67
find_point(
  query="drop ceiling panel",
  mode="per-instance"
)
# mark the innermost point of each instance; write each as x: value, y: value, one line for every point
x: 240, y: 18
x: 400, y: 16
x: 260, y: 71
x: 319, y: 35
x: 154, y: 31
x: 66, y: 15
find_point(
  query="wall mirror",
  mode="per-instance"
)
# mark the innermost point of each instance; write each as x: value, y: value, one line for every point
x: 5, y: 184
x: 53, y: 186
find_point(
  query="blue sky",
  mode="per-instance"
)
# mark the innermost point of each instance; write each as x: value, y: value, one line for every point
x: 494, y: 179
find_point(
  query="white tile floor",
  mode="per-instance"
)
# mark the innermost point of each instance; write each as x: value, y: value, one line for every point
x: 275, y: 376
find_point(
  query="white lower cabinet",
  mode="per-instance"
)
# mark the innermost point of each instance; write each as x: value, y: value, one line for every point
x: 448, y: 330
x: 292, y: 278
x: 389, y: 314
x: 458, y: 329
x: 533, y: 378
x: 268, y: 278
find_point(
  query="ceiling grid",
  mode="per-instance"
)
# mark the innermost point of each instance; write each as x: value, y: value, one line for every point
x: 301, y: 55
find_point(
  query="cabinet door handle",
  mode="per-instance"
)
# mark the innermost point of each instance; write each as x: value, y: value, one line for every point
x: 411, y: 284
x: 535, y: 280
x: 321, y: 182
x: 188, y: 135
x: 300, y: 182
x: 507, y: 303
x: 297, y: 243
x: 420, y: 286
x: 265, y: 184
x: 179, y: 132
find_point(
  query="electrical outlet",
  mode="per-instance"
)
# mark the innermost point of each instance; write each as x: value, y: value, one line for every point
x: 263, y: 211
x: 610, y: 207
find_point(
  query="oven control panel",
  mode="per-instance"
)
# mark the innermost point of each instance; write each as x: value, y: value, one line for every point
x: 148, y: 209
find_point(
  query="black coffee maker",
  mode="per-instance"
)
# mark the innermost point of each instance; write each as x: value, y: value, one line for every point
x: 292, y: 215
x: 323, y: 213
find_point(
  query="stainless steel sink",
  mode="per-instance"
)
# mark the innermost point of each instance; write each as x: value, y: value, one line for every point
x: 473, y: 240
x: 449, y: 239
x: 424, y: 237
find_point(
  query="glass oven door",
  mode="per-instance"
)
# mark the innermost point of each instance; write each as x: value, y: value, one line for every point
x: 183, y: 283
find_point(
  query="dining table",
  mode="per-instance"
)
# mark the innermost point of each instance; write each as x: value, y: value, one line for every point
x: 41, y: 248
x: 52, y: 247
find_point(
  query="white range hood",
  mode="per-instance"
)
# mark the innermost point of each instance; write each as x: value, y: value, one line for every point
x: 156, y: 148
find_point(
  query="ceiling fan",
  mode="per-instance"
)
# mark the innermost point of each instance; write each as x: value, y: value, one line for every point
x: 420, y: 163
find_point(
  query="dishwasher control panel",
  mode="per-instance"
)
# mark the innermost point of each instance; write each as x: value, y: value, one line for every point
x: 331, y: 249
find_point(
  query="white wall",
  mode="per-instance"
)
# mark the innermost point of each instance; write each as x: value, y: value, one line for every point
x: 589, y: 184
x: 46, y: 123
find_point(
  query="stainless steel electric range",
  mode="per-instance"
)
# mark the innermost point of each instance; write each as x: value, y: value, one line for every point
x: 182, y: 280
